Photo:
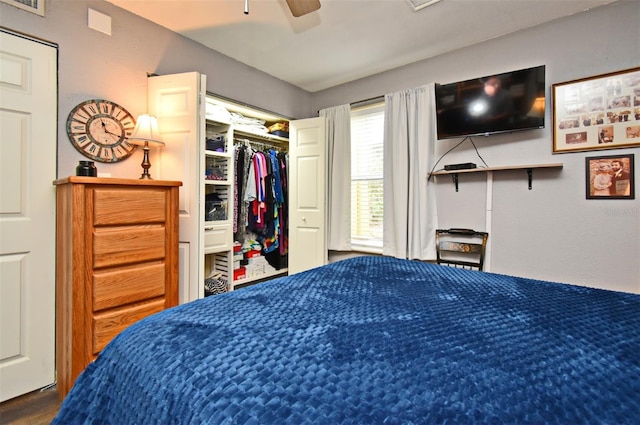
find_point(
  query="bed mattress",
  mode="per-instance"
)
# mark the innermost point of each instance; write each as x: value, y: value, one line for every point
x: 374, y: 340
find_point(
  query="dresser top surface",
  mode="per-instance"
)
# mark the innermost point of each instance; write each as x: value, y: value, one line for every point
x: 114, y: 181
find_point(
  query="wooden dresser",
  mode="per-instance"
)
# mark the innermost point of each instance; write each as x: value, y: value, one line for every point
x: 117, y: 262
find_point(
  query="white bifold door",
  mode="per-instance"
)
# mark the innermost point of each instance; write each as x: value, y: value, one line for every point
x: 307, y: 194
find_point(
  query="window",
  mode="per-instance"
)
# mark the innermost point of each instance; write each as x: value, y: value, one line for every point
x: 34, y: 6
x: 367, y: 128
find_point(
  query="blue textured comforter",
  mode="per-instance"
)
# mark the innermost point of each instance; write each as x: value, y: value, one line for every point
x: 374, y: 340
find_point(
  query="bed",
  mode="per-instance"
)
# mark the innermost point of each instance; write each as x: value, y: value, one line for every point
x: 374, y: 340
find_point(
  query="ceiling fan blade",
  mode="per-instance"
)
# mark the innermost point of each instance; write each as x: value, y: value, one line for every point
x: 302, y: 7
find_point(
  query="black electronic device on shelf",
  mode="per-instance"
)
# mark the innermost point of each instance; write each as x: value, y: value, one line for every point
x: 462, y: 166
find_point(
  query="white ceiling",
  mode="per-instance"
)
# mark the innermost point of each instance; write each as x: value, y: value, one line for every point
x: 345, y: 39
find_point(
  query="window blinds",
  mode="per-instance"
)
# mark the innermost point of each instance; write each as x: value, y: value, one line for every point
x: 367, y: 128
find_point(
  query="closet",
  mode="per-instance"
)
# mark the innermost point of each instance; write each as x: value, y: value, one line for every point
x: 201, y: 148
x: 245, y: 202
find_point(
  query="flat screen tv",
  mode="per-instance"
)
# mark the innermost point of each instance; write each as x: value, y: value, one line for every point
x: 499, y: 103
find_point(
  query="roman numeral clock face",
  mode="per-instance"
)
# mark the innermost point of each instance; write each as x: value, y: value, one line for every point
x: 99, y: 130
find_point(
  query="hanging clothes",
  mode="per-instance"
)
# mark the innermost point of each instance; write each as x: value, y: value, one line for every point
x: 284, y: 211
x: 237, y: 193
x: 261, y: 179
x: 243, y: 190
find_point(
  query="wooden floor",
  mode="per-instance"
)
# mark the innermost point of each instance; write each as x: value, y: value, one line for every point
x: 36, y: 408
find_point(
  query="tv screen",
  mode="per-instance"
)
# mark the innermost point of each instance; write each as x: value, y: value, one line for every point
x: 498, y: 103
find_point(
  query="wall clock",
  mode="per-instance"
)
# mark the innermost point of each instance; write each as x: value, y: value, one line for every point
x: 99, y: 129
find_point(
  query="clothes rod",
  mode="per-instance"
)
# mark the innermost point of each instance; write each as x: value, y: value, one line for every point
x: 260, y: 145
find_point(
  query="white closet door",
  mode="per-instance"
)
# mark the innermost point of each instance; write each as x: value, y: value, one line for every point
x: 178, y: 100
x: 28, y: 100
x: 307, y: 198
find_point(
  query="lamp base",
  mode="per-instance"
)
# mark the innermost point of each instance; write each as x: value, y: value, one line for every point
x: 145, y: 163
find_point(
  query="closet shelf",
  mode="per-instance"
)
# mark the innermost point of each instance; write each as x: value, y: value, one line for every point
x: 218, y: 182
x: 239, y: 133
x: 529, y: 169
x: 267, y: 275
x: 243, y: 131
x: 217, y: 154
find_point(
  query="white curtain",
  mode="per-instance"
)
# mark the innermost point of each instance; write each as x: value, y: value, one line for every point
x: 410, y: 213
x: 338, y: 128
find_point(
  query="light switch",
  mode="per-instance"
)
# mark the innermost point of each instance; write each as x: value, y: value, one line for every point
x: 99, y: 21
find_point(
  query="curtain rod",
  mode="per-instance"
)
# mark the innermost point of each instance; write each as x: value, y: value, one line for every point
x: 369, y: 100
x: 364, y: 102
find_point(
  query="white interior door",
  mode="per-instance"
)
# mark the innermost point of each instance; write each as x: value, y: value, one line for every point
x: 178, y: 100
x: 307, y: 198
x: 28, y: 99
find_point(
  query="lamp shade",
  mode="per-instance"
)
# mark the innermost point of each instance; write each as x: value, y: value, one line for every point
x: 146, y: 130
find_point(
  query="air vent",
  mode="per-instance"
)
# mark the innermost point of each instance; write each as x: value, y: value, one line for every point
x: 34, y: 6
x: 421, y: 4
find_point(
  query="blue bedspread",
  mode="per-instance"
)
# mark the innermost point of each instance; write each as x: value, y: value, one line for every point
x: 374, y: 340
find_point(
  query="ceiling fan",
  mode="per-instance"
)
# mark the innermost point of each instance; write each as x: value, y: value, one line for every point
x: 302, y: 7
x: 297, y: 7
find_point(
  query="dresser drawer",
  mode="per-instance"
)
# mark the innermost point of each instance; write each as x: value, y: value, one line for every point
x: 112, y: 206
x: 113, y: 246
x: 110, y: 323
x: 217, y: 238
x: 125, y: 286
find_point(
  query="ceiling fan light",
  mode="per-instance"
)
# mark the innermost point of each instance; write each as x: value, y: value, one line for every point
x: 421, y: 4
x: 302, y: 7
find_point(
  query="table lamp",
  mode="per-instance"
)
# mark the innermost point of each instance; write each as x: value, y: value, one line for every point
x: 146, y: 132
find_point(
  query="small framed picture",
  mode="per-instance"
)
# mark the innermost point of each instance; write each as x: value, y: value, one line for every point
x: 610, y: 177
x: 596, y: 113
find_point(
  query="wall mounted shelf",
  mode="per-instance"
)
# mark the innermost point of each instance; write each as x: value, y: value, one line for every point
x: 528, y: 168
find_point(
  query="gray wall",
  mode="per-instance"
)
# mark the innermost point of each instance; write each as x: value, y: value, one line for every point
x: 550, y: 232
x: 95, y: 65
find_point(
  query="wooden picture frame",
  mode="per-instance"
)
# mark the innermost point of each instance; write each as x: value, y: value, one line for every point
x: 610, y: 177
x: 600, y: 112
